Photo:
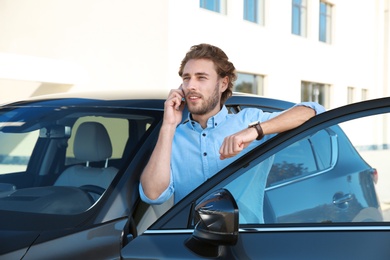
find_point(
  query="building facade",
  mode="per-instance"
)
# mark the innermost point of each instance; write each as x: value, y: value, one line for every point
x: 334, y: 52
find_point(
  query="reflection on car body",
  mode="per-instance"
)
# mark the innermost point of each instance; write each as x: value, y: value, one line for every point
x: 71, y: 166
x: 307, y: 165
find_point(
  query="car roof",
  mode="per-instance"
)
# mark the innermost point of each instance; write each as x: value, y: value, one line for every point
x: 152, y: 99
x: 107, y: 95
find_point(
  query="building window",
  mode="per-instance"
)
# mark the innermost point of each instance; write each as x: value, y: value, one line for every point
x: 364, y: 94
x: 249, y: 83
x: 353, y: 95
x: 254, y: 11
x: 315, y: 92
x: 325, y: 22
x: 212, y: 5
x: 299, y: 17
x: 350, y: 95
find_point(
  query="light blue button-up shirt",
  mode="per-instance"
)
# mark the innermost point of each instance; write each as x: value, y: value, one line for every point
x: 195, y: 151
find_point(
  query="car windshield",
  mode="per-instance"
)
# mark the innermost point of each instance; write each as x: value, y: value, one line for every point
x: 61, y: 159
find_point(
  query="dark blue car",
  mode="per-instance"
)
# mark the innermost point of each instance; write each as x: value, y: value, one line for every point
x: 70, y: 168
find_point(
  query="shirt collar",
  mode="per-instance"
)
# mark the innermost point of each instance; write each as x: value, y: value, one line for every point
x: 212, y: 122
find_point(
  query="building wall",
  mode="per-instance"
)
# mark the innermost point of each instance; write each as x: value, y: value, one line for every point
x: 89, y: 44
x: 55, y: 46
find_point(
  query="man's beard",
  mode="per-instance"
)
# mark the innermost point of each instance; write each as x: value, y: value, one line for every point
x: 209, y: 104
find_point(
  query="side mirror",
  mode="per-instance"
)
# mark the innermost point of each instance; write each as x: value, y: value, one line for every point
x: 216, y: 219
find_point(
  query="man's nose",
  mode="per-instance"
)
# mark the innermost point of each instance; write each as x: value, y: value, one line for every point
x: 191, y: 84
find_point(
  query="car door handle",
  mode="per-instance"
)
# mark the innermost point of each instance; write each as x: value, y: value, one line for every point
x: 341, y: 198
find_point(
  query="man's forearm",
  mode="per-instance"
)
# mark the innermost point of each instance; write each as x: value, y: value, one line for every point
x: 290, y: 119
x: 156, y: 176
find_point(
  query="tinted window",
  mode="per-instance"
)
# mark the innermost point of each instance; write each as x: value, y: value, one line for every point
x: 118, y: 131
x: 321, y: 178
x: 310, y: 155
x: 52, y: 156
x: 15, y: 155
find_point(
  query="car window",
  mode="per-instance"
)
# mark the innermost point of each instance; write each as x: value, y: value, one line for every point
x: 307, y: 156
x: 370, y: 136
x: 303, y: 159
x: 118, y: 131
x: 329, y: 176
x: 52, y: 156
x: 15, y: 155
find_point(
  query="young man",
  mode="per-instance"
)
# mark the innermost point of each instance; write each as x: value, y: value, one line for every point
x: 188, y: 154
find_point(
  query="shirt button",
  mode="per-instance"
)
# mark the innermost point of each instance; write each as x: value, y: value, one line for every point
x: 204, y: 154
x: 215, y: 124
x: 204, y: 134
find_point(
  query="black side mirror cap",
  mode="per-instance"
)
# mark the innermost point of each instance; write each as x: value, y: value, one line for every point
x: 216, y: 219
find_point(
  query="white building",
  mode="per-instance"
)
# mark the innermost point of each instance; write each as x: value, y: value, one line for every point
x: 334, y: 52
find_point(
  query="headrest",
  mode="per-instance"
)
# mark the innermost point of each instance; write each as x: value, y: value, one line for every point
x: 92, y: 142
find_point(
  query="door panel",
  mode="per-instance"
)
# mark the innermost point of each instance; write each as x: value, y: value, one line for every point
x: 268, y: 244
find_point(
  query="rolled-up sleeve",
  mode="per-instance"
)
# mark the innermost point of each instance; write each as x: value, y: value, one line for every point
x: 161, y: 199
x: 317, y: 107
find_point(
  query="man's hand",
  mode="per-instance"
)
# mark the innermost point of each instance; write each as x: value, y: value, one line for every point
x: 173, y: 107
x: 235, y: 143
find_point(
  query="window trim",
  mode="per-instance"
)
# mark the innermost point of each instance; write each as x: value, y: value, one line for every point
x: 311, y: 85
x: 326, y: 21
x: 219, y: 6
x: 257, y: 83
x: 300, y: 17
x: 257, y: 11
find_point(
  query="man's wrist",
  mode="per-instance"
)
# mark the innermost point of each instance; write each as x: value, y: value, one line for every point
x: 256, y: 125
x: 167, y: 128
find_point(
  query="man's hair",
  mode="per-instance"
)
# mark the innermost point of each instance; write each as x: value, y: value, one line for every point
x: 221, y: 62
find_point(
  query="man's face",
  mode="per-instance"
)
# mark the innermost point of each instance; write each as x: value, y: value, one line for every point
x: 202, y: 87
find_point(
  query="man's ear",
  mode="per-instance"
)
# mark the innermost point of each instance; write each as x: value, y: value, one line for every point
x: 224, y: 83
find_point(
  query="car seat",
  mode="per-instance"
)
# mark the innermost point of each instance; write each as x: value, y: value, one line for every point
x: 91, y: 144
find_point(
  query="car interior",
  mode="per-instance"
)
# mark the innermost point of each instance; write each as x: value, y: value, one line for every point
x: 67, y: 159
x: 92, y: 144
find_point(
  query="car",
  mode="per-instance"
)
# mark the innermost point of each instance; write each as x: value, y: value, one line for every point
x: 70, y: 166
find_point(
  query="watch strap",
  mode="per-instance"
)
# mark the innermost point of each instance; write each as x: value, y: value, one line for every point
x: 260, y: 133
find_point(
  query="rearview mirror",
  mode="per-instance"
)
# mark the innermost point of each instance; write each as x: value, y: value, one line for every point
x: 216, y: 219
x: 55, y: 131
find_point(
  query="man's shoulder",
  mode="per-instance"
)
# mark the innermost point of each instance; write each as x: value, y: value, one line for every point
x: 245, y: 116
x: 250, y: 111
